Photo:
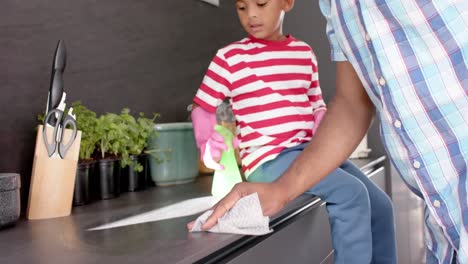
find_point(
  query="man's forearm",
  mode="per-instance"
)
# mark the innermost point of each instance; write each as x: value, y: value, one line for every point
x: 343, y: 127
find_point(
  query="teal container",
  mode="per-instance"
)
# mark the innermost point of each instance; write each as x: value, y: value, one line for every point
x: 176, y: 158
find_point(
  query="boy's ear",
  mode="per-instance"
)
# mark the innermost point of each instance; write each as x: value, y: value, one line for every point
x: 288, y: 5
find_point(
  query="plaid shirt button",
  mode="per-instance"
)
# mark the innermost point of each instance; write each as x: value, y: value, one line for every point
x: 382, y: 81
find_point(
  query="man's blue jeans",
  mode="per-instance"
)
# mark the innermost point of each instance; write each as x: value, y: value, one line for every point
x: 360, y: 214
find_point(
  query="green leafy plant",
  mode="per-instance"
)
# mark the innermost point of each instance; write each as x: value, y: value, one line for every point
x: 112, y: 134
x: 138, y: 130
x: 127, y: 147
x: 86, y: 121
x: 115, y: 135
x: 40, y: 118
x: 145, y: 130
x: 155, y: 153
x: 146, y: 133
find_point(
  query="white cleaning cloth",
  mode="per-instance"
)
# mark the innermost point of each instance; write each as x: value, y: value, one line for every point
x: 245, y: 218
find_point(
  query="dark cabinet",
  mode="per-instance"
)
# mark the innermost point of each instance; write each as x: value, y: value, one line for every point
x: 307, y: 240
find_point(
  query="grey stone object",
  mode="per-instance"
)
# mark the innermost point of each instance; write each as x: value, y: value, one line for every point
x: 10, y: 205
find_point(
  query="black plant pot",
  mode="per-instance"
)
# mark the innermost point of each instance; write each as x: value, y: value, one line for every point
x: 83, y: 183
x: 143, y: 177
x: 109, y: 178
x: 130, y: 177
x: 94, y: 181
x: 133, y: 180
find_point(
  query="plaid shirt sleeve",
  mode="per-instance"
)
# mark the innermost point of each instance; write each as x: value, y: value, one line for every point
x: 410, y: 58
x: 336, y: 53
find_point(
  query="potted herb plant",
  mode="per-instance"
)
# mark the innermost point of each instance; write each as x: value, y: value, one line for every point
x: 145, y: 131
x: 133, y: 156
x: 112, y: 134
x: 86, y: 121
x: 129, y: 179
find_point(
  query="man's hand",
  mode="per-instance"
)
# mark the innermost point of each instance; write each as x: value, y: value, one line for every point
x: 272, y: 200
x: 351, y: 110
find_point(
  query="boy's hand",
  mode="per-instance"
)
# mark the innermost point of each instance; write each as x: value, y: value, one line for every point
x: 272, y: 199
x: 210, y: 143
x: 318, y: 116
x: 212, y: 150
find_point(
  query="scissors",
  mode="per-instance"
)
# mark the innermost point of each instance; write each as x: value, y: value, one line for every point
x: 56, y: 107
x: 57, y: 148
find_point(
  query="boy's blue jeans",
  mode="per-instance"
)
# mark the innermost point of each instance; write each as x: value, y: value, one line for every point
x: 360, y: 214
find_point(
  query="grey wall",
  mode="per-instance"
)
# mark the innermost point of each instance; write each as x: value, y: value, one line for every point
x: 149, y: 55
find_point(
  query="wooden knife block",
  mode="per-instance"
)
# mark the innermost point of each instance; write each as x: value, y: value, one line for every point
x: 52, y: 179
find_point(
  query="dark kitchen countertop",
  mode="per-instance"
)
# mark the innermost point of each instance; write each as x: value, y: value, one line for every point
x: 66, y: 239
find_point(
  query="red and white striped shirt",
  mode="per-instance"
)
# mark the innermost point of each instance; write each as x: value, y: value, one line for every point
x: 274, y: 91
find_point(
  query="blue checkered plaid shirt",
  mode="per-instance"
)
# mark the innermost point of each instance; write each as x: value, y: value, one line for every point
x: 411, y: 57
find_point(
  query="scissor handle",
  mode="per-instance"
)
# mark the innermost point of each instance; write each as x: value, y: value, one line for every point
x: 63, y: 148
x: 51, y: 146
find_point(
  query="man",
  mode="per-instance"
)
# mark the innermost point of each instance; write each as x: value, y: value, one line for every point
x: 408, y: 60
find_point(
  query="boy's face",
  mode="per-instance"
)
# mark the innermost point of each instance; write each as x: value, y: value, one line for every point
x: 263, y: 19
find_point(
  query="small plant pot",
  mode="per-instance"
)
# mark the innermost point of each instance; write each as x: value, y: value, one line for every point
x: 143, y: 175
x: 94, y: 181
x: 109, y: 178
x: 83, y: 183
x: 130, y: 181
x: 182, y: 164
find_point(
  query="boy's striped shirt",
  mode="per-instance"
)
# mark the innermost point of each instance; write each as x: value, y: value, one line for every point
x: 274, y: 90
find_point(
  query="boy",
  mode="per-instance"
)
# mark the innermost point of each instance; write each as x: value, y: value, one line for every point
x: 272, y: 82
